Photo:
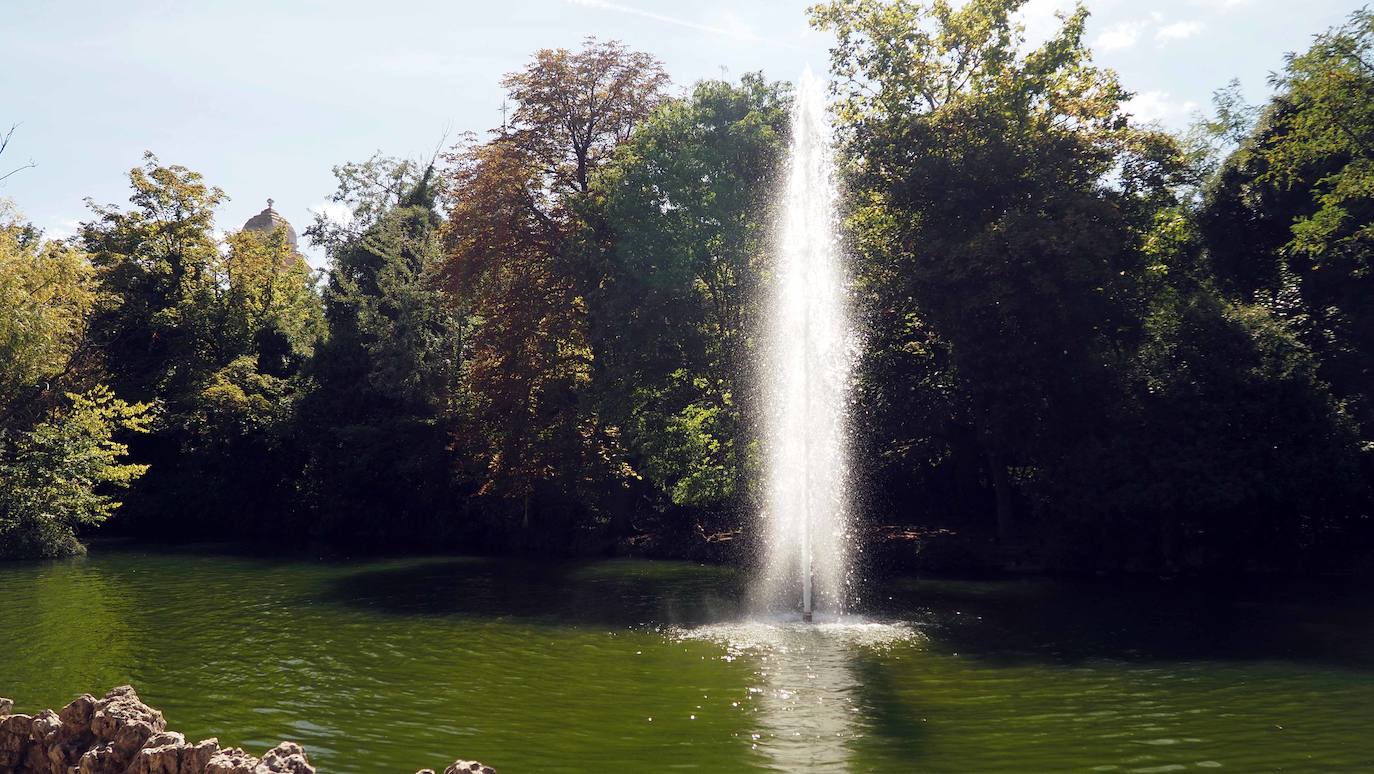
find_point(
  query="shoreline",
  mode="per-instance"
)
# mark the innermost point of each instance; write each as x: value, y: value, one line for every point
x: 119, y: 734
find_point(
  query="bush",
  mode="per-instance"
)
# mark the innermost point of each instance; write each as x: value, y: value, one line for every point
x: 59, y: 475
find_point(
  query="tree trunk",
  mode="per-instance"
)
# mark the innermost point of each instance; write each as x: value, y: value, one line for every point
x: 1001, y: 487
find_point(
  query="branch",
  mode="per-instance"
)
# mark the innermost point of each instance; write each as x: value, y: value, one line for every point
x: 4, y: 143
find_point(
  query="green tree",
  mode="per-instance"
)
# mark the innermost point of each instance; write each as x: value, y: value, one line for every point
x: 58, y: 476
x: 59, y: 460
x: 215, y: 336
x: 983, y: 216
x: 379, y: 421
x: 156, y: 264
x: 1288, y: 218
x: 47, y: 292
x: 1240, y: 457
x: 687, y: 209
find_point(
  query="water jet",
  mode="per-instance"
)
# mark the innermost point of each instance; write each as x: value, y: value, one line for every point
x: 809, y: 357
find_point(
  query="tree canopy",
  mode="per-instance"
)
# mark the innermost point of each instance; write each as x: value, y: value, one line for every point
x: 1090, y: 344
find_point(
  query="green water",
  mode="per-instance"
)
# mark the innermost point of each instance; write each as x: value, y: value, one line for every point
x: 635, y: 666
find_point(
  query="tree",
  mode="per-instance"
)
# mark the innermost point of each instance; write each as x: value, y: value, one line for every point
x: 267, y: 304
x: 574, y: 108
x: 215, y: 337
x: 517, y: 267
x: 4, y: 144
x: 1243, y: 457
x: 687, y: 208
x: 367, y: 191
x: 47, y: 291
x: 57, y: 476
x: 1288, y: 219
x: 156, y: 264
x: 982, y: 215
x: 387, y: 380
x: 59, y: 459
x: 528, y: 356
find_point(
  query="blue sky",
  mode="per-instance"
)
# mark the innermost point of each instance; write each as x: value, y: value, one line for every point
x: 264, y: 96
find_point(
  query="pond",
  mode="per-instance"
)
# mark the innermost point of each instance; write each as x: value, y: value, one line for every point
x: 393, y: 665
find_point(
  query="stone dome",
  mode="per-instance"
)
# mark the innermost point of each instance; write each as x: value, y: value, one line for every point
x: 268, y: 220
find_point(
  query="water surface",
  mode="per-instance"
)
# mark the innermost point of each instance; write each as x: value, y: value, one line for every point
x: 650, y: 666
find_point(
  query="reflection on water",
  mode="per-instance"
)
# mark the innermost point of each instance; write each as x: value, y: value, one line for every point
x: 394, y: 665
x: 806, y: 687
x: 63, y: 603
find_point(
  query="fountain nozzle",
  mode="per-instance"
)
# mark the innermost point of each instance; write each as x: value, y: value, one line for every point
x: 806, y: 616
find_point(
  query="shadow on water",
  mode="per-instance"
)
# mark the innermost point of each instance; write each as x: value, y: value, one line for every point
x: 1027, y: 621
x: 621, y: 593
x: 1059, y: 622
x: 891, y: 721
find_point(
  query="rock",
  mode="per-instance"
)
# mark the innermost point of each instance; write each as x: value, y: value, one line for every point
x: 162, y: 754
x: 44, y: 726
x: 76, y: 717
x: 231, y: 760
x: 102, y: 759
x: 34, y: 762
x: 14, y: 732
x: 125, y: 722
x: 119, y: 734
x: 285, y: 758
x: 14, y: 740
x: 196, y: 759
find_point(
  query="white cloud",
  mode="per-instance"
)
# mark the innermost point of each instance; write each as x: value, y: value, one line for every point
x: 736, y: 27
x: 731, y: 26
x: 1151, y: 106
x: 1119, y: 36
x: 417, y: 62
x: 1178, y: 31
x: 64, y: 229
x: 1222, y: 4
x: 334, y: 212
x: 1041, y: 20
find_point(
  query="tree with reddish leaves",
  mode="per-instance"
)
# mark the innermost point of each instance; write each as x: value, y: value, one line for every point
x: 575, y: 108
x: 512, y: 240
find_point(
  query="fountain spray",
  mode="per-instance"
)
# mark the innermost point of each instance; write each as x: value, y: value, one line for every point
x: 810, y: 358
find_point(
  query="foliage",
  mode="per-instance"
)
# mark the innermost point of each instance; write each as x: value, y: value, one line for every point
x: 687, y: 210
x: 46, y: 295
x: 1247, y: 445
x: 59, y: 460
x: 514, y: 264
x: 57, y: 476
x: 1041, y: 299
x: 1288, y: 219
x: 367, y: 190
x: 1087, y: 340
x: 981, y: 214
x: 386, y: 381
x: 216, y: 336
x: 573, y: 108
x: 156, y: 266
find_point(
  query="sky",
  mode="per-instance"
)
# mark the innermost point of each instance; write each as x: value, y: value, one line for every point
x: 263, y: 97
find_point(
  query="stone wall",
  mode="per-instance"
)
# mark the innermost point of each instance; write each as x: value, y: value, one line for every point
x: 119, y: 734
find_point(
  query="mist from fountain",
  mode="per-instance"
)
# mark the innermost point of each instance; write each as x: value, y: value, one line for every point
x: 810, y: 355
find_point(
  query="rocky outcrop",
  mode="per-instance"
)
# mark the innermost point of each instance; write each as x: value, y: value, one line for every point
x: 463, y: 767
x: 89, y: 735
x: 119, y: 734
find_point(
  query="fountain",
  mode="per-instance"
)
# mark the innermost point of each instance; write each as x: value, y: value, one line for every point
x: 810, y: 355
